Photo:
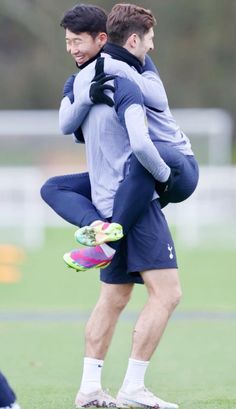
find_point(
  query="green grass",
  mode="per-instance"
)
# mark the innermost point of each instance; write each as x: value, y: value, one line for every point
x: 194, y: 364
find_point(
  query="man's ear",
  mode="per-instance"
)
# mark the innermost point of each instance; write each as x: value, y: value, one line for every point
x: 102, y: 38
x: 132, y: 41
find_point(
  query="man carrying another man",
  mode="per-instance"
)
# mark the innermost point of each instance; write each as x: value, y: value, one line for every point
x: 147, y: 254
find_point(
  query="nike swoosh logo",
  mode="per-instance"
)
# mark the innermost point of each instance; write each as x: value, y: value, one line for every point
x: 143, y: 405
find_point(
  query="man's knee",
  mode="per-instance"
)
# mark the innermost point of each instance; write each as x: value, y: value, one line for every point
x: 116, y: 296
x: 170, y: 297
x: 175, y: 296
x: 112, y: 301
x: 48, y: 188
x: 164, y: 287
x: 119, y: 300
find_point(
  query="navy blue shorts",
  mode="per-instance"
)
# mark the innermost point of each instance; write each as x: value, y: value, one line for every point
x: 148, y: 246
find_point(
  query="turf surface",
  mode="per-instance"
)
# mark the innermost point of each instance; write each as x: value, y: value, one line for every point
x: 41, y: 338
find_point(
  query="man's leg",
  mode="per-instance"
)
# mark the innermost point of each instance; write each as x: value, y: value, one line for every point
x: 7, y: 395
x: 150, y: 250
x: 101, y: 324
x: 70, y: 197
x: 164, y: 293
x: 98, y: 334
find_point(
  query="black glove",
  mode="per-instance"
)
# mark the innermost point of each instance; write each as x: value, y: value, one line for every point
x: 68, y: 88
x: 79, y: 137
x: 97, y: 88
x: 164, y: 187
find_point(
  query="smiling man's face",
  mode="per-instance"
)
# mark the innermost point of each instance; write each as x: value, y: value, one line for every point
x: 83, y: 46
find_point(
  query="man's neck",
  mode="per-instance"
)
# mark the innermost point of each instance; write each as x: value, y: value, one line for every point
x: 120, y: 53
x: 89, y: 61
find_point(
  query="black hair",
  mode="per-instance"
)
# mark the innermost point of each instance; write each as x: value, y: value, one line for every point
x: 85, y: 18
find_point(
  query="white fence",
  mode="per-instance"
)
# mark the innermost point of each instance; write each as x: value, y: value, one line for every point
x: 209, y: 216
x: 22, y: 219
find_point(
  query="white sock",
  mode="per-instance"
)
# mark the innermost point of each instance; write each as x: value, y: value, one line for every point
x: 135, y: 374
x: 108, y: 250
x: 91, y: 379
x: 15, y: 406
x: 96, y: 222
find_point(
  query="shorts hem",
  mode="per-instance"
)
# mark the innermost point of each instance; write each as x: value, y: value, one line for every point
x: 135, y: 269
x: 116, y: 282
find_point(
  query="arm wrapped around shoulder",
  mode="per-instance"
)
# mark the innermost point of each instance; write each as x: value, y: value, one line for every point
x: 68, y: 88
x: 98, y: 87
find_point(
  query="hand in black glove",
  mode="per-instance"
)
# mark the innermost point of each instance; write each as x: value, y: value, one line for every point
x: 79, y: 137
x: 97, y: 88
x: 164, y: 187
x: 68, y: 88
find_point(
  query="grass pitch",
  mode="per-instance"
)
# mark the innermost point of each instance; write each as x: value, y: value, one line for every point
x: 42, y: 320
